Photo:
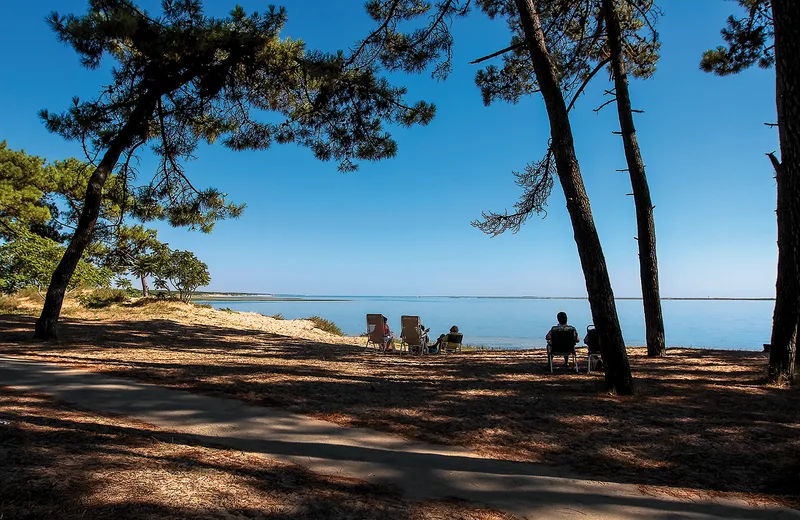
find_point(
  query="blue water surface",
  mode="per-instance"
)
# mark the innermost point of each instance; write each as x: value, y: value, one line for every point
x: 516, y: 323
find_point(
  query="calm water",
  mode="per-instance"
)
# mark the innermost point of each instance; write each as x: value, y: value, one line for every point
x: 522, y: 323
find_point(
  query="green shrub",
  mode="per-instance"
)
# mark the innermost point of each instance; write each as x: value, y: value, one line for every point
x: 203, y: 305
x: 103, y: 297
x: 326, y: 325
x: 226, y: 309
x: 278, y: 316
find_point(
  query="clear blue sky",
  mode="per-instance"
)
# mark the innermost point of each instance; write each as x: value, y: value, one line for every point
x: 401, y: 226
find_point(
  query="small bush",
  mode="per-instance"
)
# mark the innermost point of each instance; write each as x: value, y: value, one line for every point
x: 150, y: 300
x: 203, y: 305
x: 326, y: 325
x: 226, y: 309
x: 104, y: 297
x: 278, y: 316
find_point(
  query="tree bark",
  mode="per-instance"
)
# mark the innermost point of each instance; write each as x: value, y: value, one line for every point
x: 785, y: 317
x: 786, y: 19
x: 145, y: 289
x: 598, y: 286
x: 646, y: 228
x: 47, y: 324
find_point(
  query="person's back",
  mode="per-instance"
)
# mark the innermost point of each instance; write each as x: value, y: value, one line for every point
x: 565, y: 327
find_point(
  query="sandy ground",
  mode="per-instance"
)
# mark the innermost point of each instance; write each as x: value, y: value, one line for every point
x: 57, y: 461
x: 197, y: 315
x: 702, y: 421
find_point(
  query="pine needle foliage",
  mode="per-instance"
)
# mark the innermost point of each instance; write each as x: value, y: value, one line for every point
x: 180, y: 78
x: 748, y: 41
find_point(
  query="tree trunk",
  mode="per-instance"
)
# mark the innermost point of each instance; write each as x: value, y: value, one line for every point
x: 786, y: 18
x: 145, y: 289
x: 785, y: 317
x: 648, y: 261
x: 598, y: 285
x: 46, y: 325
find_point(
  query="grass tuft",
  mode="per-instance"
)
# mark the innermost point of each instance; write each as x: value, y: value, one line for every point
x: 104, y: 297
x: 326, y: 325
x: 30, y: 293
x: 278, y: 316
x: 9, y: 304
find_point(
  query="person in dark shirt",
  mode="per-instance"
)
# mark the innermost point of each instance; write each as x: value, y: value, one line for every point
x: 562, y: 325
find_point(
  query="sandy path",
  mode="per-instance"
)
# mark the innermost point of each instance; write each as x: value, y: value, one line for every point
x: 421, y: 470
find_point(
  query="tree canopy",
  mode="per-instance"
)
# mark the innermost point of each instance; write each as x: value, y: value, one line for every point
x: 182, y: 77
x: 23, y: 182
x: 748, y: 41
x: 29, y: 261
x: 177, y: 270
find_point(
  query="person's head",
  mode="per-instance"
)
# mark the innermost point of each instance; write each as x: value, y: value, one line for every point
x: 562, y: 318
x: 385, y: 319
x: 454, y: 329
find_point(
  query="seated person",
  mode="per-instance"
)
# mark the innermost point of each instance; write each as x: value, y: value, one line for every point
x: 423, y: 334
x: 562, y: 325
x: 442, y: 340
x: 388, y: 335
x: 592, y: 342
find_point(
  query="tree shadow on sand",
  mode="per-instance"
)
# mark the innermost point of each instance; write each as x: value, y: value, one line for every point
x: 700, y: 420
x: 59, y: 462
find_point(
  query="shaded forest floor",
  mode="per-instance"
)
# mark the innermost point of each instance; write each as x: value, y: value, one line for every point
x: 57, y: 461
x: 702, y: 421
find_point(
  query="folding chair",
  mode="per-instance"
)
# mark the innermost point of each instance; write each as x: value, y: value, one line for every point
x: 412, y: 336
x: 562, y: 343
x: 452, y: 342
x: 592, y: 341
x: 375, y: 332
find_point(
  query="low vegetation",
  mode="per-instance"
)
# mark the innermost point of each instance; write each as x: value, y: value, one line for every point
x: 326, y: 325
x: 9, y: 304
x: 104, y: 297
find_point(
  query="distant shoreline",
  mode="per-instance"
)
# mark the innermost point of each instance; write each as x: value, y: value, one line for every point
x: 261, y: 298
x: 257, y: 297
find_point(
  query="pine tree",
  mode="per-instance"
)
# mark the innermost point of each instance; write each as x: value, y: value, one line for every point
x: 627, y: 45
x: 181, y: 78
x: 598, y: 284
x: 769, y: 35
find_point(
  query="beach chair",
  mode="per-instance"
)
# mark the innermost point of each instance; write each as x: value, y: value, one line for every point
x: 452, y: 342
x: 412, y: 336
x: 592, y: 341
x: 562, y: 343
x: 375, y: 332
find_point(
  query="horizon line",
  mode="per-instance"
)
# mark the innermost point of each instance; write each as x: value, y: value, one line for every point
x: 527, y: 297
